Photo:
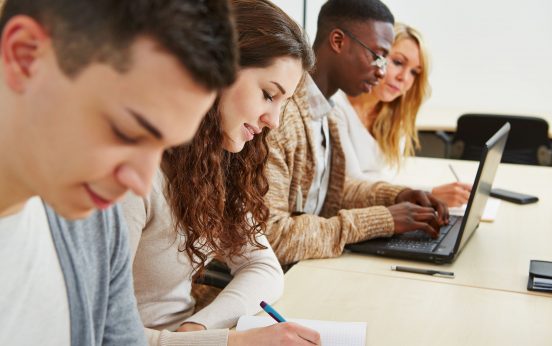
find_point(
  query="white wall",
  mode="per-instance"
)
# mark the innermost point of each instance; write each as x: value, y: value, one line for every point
x: 294, y: 8
x: 488, y: 55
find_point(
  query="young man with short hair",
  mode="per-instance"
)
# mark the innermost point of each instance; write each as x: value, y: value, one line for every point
x: 91, y: 93
x: 315, y: 209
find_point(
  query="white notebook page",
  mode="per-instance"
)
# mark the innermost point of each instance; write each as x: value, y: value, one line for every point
x: 331, y: 333
x: 489, y: 213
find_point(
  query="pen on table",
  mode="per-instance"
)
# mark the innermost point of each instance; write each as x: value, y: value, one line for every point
x: 454, y: 172
x: 273, y: 313
x: 440, y: 273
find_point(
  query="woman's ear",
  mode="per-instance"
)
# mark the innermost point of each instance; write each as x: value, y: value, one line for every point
x: 23, y: 41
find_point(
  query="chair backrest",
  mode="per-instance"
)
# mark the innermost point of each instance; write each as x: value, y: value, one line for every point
x: 434, y: 144
x: 528, y: 142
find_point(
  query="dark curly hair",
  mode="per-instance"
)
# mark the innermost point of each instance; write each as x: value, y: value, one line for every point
x: 216, y: 197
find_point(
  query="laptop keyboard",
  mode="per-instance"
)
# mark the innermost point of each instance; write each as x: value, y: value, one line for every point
x: 420, y: 241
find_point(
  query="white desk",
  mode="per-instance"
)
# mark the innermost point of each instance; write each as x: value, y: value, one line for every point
x: 497, y: 256
x: 402, y: 311
x: 486, y: 304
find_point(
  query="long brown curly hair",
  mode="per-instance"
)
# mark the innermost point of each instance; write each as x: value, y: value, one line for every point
x: 216, y: 197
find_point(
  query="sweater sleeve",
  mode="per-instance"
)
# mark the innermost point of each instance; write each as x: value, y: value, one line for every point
x: 135, y: 210
x: 214, y: 337
x: 297, y: 237
x: 257, y: 276
x: 362, y: 193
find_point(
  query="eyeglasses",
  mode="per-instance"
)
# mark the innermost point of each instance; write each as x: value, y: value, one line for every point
x: 378, y: 60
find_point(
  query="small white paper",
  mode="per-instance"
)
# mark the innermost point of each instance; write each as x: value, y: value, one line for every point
x: 489, y: 213
x: 331, y: 333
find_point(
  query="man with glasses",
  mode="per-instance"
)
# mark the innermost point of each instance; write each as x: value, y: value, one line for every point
x: 315, y: 210
x: 377, y: 60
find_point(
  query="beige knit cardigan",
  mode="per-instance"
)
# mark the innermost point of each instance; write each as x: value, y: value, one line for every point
x: 353, y: 211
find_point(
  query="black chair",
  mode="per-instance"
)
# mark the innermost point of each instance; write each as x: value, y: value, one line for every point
x: 216, y: 274
x: 528, y: 142
x: 434, y: 144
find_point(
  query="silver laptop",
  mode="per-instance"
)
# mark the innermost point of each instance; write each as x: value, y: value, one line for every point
x: 417, y: 245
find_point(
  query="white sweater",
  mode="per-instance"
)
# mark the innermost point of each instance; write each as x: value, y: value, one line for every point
x: 363, y: 155
x: 163, y: 278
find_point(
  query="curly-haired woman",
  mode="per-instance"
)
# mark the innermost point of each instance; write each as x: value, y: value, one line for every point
x: 207, y: 200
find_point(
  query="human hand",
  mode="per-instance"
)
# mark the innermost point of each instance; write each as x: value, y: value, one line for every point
x: 190, y: 327
x: 279, y: 334
x: 453, y: 194
x: 425, y: 199
x: 409, y: 217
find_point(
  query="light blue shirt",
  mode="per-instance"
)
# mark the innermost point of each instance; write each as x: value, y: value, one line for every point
x: 320, y: 108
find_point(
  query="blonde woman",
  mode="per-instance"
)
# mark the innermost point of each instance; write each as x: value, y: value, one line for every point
x: 381, y: 125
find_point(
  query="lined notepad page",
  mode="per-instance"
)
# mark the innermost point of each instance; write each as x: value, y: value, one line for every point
x: 489, y: 214
x: 331, y: 333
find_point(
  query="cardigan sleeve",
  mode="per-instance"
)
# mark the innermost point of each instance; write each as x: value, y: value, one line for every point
x: 296, y: 237
x: 362, y: 193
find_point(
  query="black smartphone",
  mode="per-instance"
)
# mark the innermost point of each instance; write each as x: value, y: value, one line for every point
x: 514, y: 197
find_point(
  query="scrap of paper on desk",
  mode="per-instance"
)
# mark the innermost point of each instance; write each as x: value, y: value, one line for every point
x: 489, y: 214
x: 331, y: 333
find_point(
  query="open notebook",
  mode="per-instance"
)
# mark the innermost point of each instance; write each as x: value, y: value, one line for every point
x: 331, y: 333
x: 489, y: 213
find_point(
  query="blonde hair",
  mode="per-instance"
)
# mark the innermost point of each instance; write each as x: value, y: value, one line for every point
x: 397, y: 119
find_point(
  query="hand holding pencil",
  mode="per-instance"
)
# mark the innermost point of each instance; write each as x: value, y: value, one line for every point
x: 281, y: 333
x: 307, y: 336
x: 453, y: 194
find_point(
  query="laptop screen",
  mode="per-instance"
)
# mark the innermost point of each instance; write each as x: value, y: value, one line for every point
x: 490, y: 159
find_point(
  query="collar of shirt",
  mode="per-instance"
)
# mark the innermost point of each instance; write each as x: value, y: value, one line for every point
x: 319, y: 105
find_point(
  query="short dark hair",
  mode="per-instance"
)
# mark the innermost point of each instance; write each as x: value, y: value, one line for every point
x: 199, y: 33
x: 336, y: 13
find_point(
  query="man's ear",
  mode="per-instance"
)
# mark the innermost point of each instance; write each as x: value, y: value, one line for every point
x: 23, y: 41
x: 337, y: 40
